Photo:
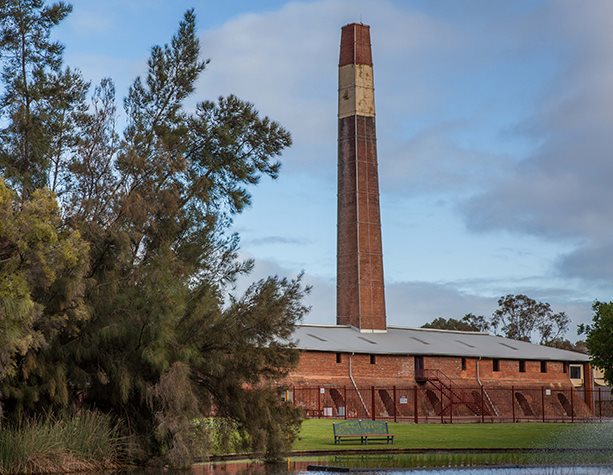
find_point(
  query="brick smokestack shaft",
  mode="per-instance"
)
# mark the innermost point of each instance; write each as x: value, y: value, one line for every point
x: 360, y: 297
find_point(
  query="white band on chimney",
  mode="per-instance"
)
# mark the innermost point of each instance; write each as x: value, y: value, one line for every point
x: 356, y: 95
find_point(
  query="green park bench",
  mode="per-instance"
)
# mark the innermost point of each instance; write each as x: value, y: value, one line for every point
x: 364, y: 430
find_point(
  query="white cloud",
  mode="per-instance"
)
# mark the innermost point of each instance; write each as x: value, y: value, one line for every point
x: 431, y: 162
x: 414, y: 303
x: 91, y: 21
x: 285, y: 61
x: 563, y: 190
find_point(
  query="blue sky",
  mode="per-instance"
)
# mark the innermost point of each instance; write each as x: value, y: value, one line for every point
x: 494, y: 123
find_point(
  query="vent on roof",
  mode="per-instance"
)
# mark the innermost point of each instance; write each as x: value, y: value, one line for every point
x: 316, y: 337
x: 465, y: 344
x: 508, y: 346
x: 367, y: 340
x: 421, y: 341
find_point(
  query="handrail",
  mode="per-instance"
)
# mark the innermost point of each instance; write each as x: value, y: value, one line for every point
x: 356, y: 387
x: 452, y: 388
x: 489, y: 400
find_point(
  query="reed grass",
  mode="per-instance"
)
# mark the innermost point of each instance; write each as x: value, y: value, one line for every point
x: 66, y: 443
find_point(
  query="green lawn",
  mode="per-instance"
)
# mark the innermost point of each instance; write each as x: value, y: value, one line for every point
x: 316, y: 434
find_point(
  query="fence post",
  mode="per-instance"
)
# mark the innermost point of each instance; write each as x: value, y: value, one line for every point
x: 372, y: 395
x: 543, y: 401
x: 318, y: 402
x: 572, y: 405
x: 482, y: 405
x: 513, y: 402
x: 451, y: 409
x: 415, y: 415
x: 441, y: 403
x: 345, y: 398
x: 600, y: 403
x: 395, y: 411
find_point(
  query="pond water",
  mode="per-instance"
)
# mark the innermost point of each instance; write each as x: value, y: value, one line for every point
x: 394, y: 465
x: 586, y: 450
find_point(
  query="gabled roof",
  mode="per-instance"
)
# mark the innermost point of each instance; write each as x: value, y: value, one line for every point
x: 424, y: 341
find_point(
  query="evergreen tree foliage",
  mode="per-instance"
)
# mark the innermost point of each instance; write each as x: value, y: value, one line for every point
x: 565, y: 344
x: 519, y: 317
x: 468, y: 323
x: 599, y: 338
x: 42, y: 267
x: 155, y: 335
x: 41, y: 101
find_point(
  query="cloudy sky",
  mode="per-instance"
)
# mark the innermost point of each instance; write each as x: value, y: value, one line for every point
x: 494, y: 121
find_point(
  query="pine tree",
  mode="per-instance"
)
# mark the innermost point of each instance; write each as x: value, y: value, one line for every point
x: 41, y: 101
x: 154, y: 203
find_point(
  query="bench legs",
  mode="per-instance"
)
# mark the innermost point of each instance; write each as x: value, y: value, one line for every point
x: 364, y: 439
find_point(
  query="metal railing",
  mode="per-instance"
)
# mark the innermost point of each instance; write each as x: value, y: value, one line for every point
x: 432, y: 402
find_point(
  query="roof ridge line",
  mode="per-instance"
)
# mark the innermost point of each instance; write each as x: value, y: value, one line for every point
x: 439, y: 330
x: 323, y: 325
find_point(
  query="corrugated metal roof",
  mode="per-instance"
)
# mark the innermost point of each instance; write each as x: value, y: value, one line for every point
x: 422, y: 341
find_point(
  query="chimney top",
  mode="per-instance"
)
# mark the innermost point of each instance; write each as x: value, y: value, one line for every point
x: 355, y: 44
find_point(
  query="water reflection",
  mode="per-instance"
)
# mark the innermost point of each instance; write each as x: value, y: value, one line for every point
x: 252, y: 468
x: 310, y: 467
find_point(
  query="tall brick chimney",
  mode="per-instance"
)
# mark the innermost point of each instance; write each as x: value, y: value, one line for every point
x: 360, y: 297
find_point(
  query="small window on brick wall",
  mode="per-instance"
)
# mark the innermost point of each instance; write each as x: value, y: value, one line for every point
x: 543, y: 366
x: 522, y: 366
x: 463, y: 364
x: 373, y: 359
x: 575, y: 372
x: 496, y: 365
x: 565, y: 367
x: 339, y: 357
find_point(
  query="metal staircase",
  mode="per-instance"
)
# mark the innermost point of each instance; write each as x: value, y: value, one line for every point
x: 452, y: 395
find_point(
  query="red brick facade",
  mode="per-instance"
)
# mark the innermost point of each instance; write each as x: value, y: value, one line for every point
x: 320, y: 367
x: 355, y: 45
x: 532, y: 390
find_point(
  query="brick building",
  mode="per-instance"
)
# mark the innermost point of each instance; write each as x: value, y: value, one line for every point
x: 360, y: 367
x: 430, y: 374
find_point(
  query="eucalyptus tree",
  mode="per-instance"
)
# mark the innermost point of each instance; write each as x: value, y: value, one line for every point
x: 519, y: 317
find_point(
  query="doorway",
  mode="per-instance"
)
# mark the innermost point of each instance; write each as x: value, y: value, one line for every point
x: 420, y: 374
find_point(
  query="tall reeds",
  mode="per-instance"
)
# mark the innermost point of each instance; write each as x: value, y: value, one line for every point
x: 66, y: 443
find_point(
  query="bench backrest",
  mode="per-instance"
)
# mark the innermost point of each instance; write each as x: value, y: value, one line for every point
x: 360, y: 427
x: 347, y: 428
x: 373, y: 427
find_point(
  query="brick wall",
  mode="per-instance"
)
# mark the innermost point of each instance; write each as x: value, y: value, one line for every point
x: 322, y: 367
x: 387, y: 385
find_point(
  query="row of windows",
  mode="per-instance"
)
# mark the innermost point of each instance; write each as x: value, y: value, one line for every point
x: 339, y: 358
x: 575, y: 371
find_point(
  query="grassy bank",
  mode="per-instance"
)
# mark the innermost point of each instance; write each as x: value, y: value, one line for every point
x: 316, y: 434
x: 84, y: 442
